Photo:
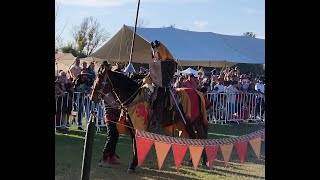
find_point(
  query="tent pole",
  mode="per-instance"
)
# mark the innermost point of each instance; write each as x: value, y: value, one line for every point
x: 134, y: 33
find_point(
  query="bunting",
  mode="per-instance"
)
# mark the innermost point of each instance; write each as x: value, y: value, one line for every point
x: 179, y: 146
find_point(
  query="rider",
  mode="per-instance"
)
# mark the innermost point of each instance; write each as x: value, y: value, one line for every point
x: 112, y: 113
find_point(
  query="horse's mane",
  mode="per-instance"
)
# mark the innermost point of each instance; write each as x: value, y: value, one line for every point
x: 123, y: 85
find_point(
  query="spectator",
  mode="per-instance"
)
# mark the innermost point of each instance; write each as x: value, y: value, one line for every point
x: 81, y: 86
x: 92, y: 75
x: 251, y: 89
x: 64, y: 102
x: 220, y: 85
x: 259, y: 87
x: 231, y: 97
x: 190, y: 82
x: 75, y: 69
x: 84, y: 66
x: 179, y: 82
x: 69, y: 89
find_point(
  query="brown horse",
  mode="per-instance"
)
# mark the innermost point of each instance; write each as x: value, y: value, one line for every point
x: 135, y: 101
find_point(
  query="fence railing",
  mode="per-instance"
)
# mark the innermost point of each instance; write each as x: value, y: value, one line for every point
x: 74, y: 109
x: 228, y: 107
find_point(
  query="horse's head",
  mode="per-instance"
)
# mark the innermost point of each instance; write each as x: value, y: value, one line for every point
x: 112, y: 83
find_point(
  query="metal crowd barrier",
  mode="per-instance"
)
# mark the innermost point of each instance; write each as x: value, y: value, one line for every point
x: 227, y: 107
x: 81, y: 107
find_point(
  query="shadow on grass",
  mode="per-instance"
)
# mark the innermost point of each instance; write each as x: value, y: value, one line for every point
x: 239, y: 174
x: 160, y: 174
x: 72, y: 132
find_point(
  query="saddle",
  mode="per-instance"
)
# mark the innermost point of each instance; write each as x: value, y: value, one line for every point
x: 161, y: 109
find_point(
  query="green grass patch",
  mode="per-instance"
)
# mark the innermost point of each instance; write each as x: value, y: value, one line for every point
x: 69, y: 149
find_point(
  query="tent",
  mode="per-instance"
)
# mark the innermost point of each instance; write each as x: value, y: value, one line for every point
x: 190, y: 48
x: 189, y: 71
x: 65, y: 60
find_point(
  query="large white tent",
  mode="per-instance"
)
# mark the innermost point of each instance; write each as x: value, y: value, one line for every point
x: 189, y: 71
x: 190, y: 48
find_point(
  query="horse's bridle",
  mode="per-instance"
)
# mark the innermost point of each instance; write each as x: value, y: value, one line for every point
x: 122, y: 105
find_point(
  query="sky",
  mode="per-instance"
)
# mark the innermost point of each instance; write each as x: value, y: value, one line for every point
x: 230, y: 17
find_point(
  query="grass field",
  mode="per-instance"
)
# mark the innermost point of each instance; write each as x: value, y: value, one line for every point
x: 69, y: 149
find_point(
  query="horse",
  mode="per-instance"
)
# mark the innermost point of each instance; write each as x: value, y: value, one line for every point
x: 134, y: 101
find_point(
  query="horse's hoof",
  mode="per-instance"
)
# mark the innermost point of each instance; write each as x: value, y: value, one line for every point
x: 130, y: 171
x: 204, y: 166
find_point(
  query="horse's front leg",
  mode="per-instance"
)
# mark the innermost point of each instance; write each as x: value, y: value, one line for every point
x: 134, y: 162
x: 202, y: 133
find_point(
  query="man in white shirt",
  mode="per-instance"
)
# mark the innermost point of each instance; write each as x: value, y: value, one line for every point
x: 260, y: 101
x: 231, y: 97
x: 75, y: 69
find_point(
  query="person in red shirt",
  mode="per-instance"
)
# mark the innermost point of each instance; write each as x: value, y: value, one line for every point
x: 190, y: 82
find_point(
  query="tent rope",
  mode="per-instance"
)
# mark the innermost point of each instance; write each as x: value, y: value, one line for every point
x: 111, y: 49
x: 120, y: 44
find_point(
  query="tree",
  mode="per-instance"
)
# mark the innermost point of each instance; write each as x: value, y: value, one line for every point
x: 70, y: 49
x: 251, y: 34
x: 142, y: 23
x: 89, y: 35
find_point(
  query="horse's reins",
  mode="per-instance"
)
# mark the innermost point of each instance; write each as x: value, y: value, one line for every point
x: 123, y: 105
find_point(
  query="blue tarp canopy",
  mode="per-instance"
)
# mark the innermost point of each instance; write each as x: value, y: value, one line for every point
x: 190, y: 48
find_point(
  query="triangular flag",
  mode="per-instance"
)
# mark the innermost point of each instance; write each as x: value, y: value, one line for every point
x: 256, y: 146
x: 162, y: 150
x: 226, y: 152
x: 241, y: 148
x: 178, y: 152
x: 211, y: 154
x: 263, y: 137
x: 143, y: 147
x: 195, y: 152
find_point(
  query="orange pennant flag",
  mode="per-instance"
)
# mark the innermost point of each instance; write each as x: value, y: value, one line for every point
x: 256, y: 146
x: 162, y: 150
x: 226, y: 152
x: 195, y: 152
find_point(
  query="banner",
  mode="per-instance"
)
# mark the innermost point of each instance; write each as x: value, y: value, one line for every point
x: 195, y: 152
x: 226, y: 152
x: 143, y: 147
x: 211, y: 152
x: 162, y: 150
x: 241, y: 148
x: 180, y: 145
x: 178, y: 152
x: 256, y: 146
